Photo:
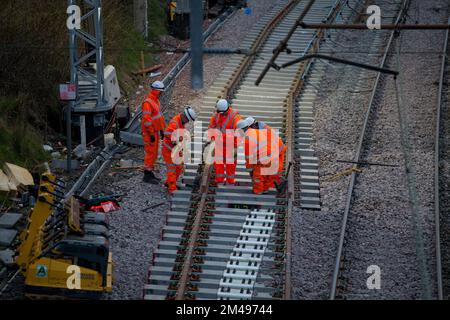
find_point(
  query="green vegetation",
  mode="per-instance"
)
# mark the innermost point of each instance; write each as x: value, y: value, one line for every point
x: 156, y: 19
x: 34, y: 59
x: 19, y: 142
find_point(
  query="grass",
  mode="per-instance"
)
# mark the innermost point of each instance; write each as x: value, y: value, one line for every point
x: 123, y: 45
x: 19, y: 142
x: 156, y: 19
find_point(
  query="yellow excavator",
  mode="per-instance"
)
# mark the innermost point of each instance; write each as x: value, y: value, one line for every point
x: 64, y: 252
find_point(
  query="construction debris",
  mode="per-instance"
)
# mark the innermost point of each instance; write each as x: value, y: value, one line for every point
x: 154, y: 74
x: 18, y: 176
x: 109, y: 139
x: 147, y: 70
x: 129, y: 164
x: 47, y: 148
x: 56, y: 155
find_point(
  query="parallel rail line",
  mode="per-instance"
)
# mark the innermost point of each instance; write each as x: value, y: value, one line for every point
x: 337, y: 283
x: 441, y: 155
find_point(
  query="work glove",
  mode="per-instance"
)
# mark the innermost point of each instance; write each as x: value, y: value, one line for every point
x: 161, y: 134
x: 152, y: 139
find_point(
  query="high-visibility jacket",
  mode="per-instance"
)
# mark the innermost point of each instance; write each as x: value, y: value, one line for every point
x: 264, y: 154
x: 173, y: 170
x: 151, y: 123
x: 173, y: 125
x: 262, y: 146
x: 223, y: 122
x: 225, y: 162
x: 152, y: 119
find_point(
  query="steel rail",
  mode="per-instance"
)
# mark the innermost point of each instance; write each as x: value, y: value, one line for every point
x: 294, y: 91
x: 225, y: 232
x: 437, y: 189
x: 245, y: 64
x: 283, y: 43
x: 357, y: 158
x: 206, y: 173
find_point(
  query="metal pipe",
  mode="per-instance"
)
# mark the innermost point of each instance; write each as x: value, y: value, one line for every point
x: 383, y: 26
x: 283, y: 43
x: 352, y: 63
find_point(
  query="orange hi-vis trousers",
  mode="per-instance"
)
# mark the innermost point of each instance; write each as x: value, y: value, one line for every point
x: 152, y: 122
x: 173, y: 170
x: 224, y: 161
x: 151, y: 149
x: 262, y: 182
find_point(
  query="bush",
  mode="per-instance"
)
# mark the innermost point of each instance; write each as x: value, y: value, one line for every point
x: 34, y: 60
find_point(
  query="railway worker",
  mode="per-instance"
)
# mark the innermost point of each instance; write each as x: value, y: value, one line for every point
x: 264, y: 154
x: 170, y: 146
x: 152, y: 125
x: 224, y: 120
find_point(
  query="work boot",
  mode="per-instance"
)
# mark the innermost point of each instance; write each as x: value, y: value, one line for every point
x: 149, y: 177
x: 180, y: 185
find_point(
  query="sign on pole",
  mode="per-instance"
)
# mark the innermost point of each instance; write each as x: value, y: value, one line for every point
x: 67, y: 92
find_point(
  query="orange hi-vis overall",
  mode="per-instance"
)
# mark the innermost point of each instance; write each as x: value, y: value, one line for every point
x: 152, y: 122
x: 264, y: 154
x: 173, y: 170
x: 224, y: 159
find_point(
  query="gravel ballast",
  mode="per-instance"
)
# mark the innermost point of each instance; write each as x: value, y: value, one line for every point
x: 381, y: 228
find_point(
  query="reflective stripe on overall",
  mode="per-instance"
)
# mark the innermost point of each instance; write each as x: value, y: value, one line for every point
x: 173, y: 170
x: 225, y: 162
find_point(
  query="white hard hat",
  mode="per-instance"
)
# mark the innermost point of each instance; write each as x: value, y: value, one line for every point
x: 190, y: 113
x: 158, y: 85
x: 242, y: 124
x: 222, y: 105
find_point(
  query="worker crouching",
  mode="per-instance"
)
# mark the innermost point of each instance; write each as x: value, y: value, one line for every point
x: 222, y: 128
x: 264, y: 154
x: 152, y: 125
x: 172, y: 151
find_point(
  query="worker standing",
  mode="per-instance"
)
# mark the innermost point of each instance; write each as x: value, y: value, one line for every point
x: 264, y: 154
x: 152, y: 125
x: 225, y: 120
x: 170, y: 142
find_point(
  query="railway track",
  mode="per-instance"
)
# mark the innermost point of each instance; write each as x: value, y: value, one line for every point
x: 344, y: 281
x: 442, y: 175
x: 223, y: 242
